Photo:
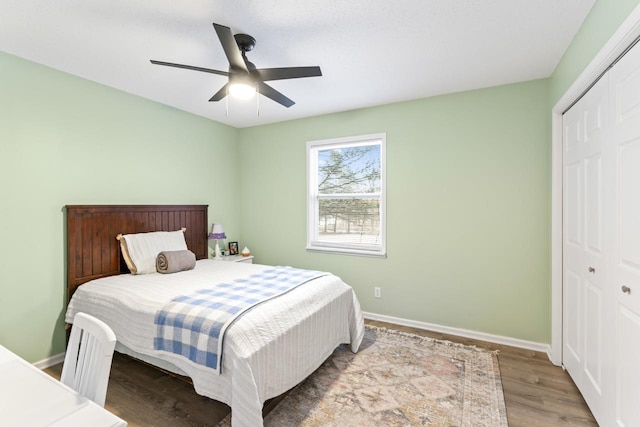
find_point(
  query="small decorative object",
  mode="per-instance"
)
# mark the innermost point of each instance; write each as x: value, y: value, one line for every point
x: 246, y: 251
x: 217, y: 233
x: 233, y: 248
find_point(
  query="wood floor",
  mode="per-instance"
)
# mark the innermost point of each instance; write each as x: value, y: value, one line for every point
x: 536, y: 392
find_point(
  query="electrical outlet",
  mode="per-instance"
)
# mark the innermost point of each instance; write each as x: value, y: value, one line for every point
x: 377, y: 292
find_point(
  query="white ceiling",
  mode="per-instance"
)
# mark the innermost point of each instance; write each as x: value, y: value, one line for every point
x: 371, y: 52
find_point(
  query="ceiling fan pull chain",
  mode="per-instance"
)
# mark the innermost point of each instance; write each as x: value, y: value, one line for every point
x: 226, y: 102
x: 258, y: 101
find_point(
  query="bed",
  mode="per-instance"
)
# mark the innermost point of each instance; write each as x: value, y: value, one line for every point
x: 267, y: 351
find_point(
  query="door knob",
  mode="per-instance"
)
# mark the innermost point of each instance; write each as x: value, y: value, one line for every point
x: 626, y: 289
x: 592, y: 270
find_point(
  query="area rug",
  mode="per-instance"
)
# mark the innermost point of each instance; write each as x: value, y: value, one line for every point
x: 397, y: 379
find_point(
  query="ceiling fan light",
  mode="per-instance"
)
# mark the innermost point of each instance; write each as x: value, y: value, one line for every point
x: 242, y: 90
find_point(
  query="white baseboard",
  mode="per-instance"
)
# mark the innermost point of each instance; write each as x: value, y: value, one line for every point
x: 497, y: 339
x: 49, y: 361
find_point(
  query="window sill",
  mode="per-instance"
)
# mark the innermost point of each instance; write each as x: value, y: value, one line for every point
x: 341, y: 251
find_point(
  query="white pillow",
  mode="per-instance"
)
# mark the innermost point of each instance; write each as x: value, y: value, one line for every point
x: 143, y: 248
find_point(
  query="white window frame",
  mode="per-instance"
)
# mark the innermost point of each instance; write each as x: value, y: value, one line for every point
x: 313, y: 243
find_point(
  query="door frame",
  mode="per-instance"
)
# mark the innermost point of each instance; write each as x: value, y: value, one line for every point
x: 615, y: 46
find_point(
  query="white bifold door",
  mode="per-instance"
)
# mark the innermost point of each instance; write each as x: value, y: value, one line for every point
x: 601, y: 244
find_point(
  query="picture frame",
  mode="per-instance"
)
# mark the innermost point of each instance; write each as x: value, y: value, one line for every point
x: 233, y: 248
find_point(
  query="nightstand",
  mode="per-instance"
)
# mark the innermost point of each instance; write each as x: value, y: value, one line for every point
x: 238, y: 258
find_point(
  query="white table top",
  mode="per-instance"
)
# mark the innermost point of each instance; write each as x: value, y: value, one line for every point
x: 31, y: 398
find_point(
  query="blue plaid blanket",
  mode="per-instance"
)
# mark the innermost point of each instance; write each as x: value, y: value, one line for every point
x: 194, y: 325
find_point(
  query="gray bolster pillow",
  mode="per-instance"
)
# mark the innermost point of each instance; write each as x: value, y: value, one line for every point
x: 174, y: 261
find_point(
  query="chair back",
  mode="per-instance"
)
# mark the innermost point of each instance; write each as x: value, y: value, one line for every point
x: 87, y: 362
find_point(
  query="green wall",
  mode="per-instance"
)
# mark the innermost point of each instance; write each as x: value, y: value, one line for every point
x: 467, y: 216
x: 65, y: 140
x: 603, y: 20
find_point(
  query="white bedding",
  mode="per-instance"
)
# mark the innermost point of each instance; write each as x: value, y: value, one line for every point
x: 267, y: 351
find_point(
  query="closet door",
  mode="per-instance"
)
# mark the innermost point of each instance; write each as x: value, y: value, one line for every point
x: 625, y: 236
x: 585, y: 319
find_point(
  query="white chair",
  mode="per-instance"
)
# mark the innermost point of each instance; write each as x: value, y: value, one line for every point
x: 87, y: 362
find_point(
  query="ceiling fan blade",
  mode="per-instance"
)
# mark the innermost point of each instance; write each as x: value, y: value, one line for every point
x: 267, y: 74
x: 273, y: 94
x: 190, y: 67
x: 230, y: 47
x: 220, y: 94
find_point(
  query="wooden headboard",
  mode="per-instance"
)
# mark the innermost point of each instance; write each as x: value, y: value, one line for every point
x: 94, y: 252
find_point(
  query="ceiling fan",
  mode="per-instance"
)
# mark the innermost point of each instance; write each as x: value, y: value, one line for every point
x: 244, y: 78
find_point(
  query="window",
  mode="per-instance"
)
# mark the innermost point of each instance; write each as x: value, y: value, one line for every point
x: 346, y: 195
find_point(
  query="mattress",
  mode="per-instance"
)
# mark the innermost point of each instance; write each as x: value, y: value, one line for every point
x: 267, y: 351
